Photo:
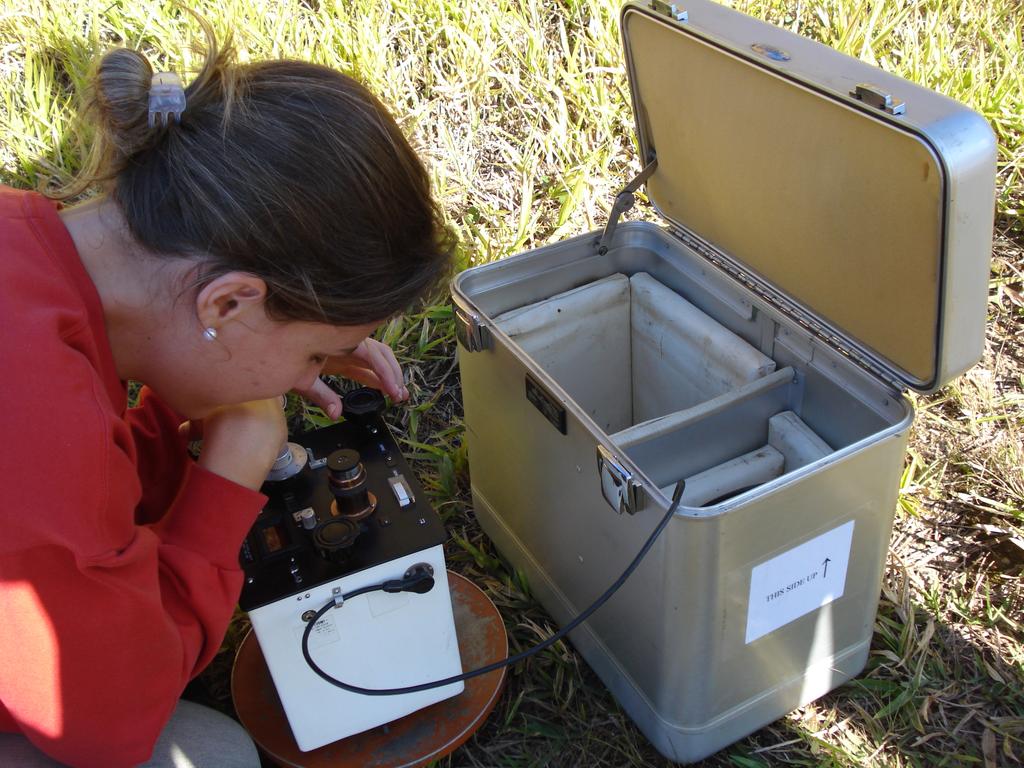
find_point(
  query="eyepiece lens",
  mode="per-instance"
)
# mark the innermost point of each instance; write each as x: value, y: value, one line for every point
x: 363, y: 403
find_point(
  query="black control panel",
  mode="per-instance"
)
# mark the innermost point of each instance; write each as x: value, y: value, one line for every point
x: 344, y: 500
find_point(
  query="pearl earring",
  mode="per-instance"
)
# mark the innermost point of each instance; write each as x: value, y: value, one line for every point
x: 210, y: 334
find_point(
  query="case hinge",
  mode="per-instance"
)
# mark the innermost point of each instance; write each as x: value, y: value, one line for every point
x: 470, y: 330
x: 619, y: 488
x: 669, y: 9
x: 879, y: 99
x: 623, y: 202
x: 787, y: 307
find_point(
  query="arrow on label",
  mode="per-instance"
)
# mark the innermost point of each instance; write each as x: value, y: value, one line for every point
x: 827, y: 561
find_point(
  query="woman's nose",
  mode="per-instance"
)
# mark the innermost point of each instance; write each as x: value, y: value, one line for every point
x: 310, y: 376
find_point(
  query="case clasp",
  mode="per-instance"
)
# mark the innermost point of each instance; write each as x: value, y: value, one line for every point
x: 879, y: 99
x: 669, y: 9
x: 471, y: 333
x: 620, y: 490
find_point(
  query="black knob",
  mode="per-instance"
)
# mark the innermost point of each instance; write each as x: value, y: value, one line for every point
x: 363, y: 405
x: 333, y: 538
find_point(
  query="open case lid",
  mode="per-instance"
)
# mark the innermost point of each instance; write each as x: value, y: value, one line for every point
x: 872, y: 217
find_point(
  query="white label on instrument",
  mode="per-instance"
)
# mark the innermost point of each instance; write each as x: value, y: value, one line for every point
x: 324, y: 633
x: 798, y: 581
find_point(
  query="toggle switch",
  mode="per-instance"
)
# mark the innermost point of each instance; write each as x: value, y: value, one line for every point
x: 403, y: 492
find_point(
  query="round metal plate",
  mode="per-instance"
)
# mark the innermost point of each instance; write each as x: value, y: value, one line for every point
x: 415, y: 739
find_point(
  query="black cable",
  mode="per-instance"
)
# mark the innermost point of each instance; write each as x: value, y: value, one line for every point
x: 362, y: 591
x: 676, y: 496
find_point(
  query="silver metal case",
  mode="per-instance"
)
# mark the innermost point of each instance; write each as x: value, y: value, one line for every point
x: 825, y: 245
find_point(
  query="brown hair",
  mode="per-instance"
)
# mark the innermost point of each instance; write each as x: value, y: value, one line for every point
x: 286, y: 170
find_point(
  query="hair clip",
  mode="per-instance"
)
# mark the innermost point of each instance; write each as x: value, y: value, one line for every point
x: 166, y: 98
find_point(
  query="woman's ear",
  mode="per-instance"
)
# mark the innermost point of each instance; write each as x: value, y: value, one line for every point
x: 226, y: 297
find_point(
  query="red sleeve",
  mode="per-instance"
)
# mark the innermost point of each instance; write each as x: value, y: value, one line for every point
x: 105, y: 621
x: 101, y: 646
x: 161, y: 454
x: 102, y: 620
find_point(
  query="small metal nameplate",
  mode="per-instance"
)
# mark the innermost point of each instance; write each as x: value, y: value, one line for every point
x: 543, y: 401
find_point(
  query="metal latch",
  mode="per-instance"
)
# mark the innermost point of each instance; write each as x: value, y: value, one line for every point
x: 470, y: 331
x: 669, y: 9
x: 620, y: 490
x: 623, y: 202
x: 879, y: 99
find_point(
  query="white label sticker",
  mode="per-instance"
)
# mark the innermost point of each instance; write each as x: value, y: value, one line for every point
x: 324, y: 632
x: 798, y: 581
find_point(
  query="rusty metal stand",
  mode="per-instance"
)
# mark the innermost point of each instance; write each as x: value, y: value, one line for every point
x: 414, y: 740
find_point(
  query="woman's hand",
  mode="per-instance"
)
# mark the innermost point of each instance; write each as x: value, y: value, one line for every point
x: 241, y: 442
x: 371, y: 363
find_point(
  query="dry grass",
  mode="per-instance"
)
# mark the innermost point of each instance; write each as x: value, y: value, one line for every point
x: 522, y: 110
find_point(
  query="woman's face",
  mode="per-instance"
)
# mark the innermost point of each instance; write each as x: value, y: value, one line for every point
x: 254, y: 361
x: 270, y: 358
x: 158, y: 339
x: 251, y: 357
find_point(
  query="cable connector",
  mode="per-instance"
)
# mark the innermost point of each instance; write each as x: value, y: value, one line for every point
x: 419, y: 579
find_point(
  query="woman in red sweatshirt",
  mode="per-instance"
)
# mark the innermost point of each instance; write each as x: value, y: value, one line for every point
x: 243, y: 245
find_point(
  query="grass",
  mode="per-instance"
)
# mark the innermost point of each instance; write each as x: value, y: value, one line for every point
x: 522, y: 111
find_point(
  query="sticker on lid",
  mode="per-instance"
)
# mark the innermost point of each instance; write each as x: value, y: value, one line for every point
x: 770, y: 51
x: 798, y: 581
